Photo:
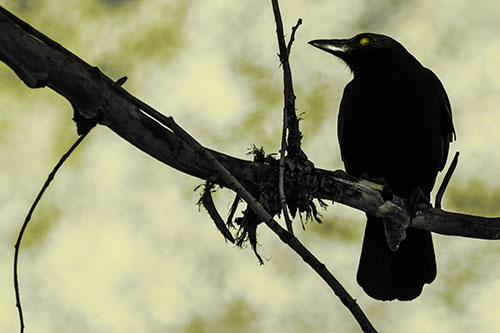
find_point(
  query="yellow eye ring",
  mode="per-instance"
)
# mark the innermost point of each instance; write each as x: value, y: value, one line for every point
x: 364, y: 41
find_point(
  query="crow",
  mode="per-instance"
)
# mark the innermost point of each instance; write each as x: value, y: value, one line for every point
x: 394, y: 124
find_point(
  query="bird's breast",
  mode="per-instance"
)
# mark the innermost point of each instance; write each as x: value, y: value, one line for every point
x: 390, y: 129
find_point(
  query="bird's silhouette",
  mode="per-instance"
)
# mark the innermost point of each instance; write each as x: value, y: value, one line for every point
x: 394, y: 124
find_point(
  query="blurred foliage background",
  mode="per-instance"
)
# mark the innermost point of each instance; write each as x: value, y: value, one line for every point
x: 118, y: 244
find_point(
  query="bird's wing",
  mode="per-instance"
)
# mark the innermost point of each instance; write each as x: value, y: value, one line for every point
x: 340, y: 122
x: 349, y: 164
x: 449, y: 134
x: 448, y: 129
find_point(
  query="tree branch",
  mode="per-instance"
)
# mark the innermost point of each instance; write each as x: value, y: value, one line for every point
x: 93, y: 96
x: 294, y: 135
x: 41, y: 62
x: 285, y: 236
x: 295, y: 155
x: 288, y: 109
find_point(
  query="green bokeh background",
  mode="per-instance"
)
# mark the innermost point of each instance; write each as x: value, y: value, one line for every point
x: 118, y: 245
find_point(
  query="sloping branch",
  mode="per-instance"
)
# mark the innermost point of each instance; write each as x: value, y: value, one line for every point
x: 297, y: 159
x: 95, y: 97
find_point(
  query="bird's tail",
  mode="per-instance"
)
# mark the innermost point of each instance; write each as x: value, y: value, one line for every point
x: 387, y: 275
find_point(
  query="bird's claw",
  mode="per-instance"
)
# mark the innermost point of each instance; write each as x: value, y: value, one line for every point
x: 418, y: 201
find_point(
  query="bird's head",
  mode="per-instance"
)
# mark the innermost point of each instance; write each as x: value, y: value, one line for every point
x: 367, y: 52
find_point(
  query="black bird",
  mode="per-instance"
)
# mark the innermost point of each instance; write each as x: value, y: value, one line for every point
x: 395, y: 124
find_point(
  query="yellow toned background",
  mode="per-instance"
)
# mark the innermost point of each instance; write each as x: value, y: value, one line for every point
x: 118, y: 245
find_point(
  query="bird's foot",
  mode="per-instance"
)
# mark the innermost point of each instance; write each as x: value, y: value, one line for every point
x: 418, y: 201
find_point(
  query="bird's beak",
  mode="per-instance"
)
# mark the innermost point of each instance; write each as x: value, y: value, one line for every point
x: 336, y: 47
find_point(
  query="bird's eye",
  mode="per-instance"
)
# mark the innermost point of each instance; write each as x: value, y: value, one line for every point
x: 364, y: 41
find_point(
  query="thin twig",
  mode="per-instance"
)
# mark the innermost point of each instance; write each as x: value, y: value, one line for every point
x: 285, y: 236
x: 281, y: 179
x: 294, y: 135
x: 232, y: 211
x: 292, y: 36
x: 446, y: 180
x: 28, y: 218
x: 288, y: 109
x: 208, y: 203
